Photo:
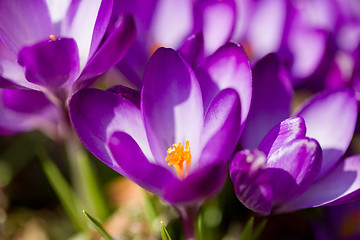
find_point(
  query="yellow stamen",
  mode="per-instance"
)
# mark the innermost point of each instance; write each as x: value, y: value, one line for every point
x: 176, y: 156
x: 53, y: 38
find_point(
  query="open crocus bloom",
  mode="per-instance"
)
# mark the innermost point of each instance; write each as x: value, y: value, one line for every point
x: 174, y: 145
x: 289, y: 171
x: 56, y: 51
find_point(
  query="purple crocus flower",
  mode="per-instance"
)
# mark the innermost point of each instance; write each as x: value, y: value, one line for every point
x: 290, y: 171
x: 57, y: 49
x: 176, y: 145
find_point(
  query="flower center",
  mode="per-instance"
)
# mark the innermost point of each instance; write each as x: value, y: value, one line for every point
x: 53, y: 38
x: 177, y: 155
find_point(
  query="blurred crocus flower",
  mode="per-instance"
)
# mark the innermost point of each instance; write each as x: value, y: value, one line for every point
x: 288, y: 171
x: 205, y: 25
x: 176, y: 145
x: 58, y: 47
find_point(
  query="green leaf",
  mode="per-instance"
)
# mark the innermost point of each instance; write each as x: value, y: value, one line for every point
x: 246, y: 233
x: 85, y: 180
x: 164, y: 233
x: 62, y: 190
x: 259, y: 229
x: 97, y: 226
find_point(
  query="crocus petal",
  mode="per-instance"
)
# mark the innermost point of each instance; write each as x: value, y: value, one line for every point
x: 26, y: 110
x: 251, y: 183
x: 293, y: 168
x: 265, y: 29
x: 50, y: 64
x: 270, y: 103
x: 218, y: 20
x: 96, y: 14
x: 112, y: 50
x: 130, y: 158
x: 283, y: 133
x: 13, y: 75
x: 228, y: 67
x: 330, y: 118
x: 24, y: 23
x: 221, y: 129
x: 193, y: 49
x: 128, y: 93
x: 172, y: 21
x: 171, y: 104
x: 25, y: 101
x: 340, y: 185
x: 197, y: 186
x: 97, y: 114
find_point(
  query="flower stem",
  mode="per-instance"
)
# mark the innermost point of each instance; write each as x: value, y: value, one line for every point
x: 188, y: 217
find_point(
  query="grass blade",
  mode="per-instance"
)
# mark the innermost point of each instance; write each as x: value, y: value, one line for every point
x: 97, y: 226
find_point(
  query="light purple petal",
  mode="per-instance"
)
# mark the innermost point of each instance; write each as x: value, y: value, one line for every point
x: 13, y: 74
x: 199, y: 186
x: 228, y: 67
x: 308, y: 49
x: 172, y: 23
x: 96, y: 14
x: 23, y: 100
x: 251, y: 183
x: 112, y: 50
x: 266, y: 27
x: 330, y: 118
x: 218, y: 20
x: 24, y: 23
x: 171, y: 104
x: 97, y: 114
x: 340, y: 185
x: 51, y: 64
x: 283, y: 133
x: 130, y: 158
x: 270, y: 103
x: 293, y: 168
x: 221, y: 130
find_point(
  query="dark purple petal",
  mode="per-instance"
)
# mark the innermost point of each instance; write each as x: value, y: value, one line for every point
x: 221, y: 130
x: 293, y: 168
x: 51, y: 64
x: 171, y: 104
x: 193, y: 49
x: 130, y: 158
x: 27, y: 110
x: 340, y: 185
x: 25, y: 101
x: 284, y: 132
x: 24, y: 23
x: 199, y: 186
x: 128, y: 93
x: 97, y: 114
x: 270, y: 103
x: 96, y: 14
x: 228, y: 67
x: 113, y: 48
x: 251, y: 183
x: 330, y: 118
x: 217, y: 22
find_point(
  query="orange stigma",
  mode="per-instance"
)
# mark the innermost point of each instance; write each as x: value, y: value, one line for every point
x: 176, y: 155
x: 53, y: 38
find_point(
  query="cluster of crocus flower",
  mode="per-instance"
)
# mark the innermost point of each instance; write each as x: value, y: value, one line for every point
x: 176, y: 131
